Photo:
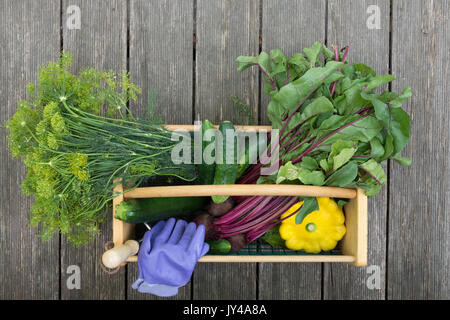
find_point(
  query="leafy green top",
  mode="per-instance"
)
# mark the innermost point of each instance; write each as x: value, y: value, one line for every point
x: 335, y: 128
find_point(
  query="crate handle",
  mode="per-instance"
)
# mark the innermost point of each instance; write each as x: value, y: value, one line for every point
x: 240, y: 190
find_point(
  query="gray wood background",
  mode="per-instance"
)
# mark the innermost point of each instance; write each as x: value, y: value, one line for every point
x: 184, y: 50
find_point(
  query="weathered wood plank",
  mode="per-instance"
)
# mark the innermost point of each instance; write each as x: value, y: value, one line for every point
x: 225, y: 281
x: 101, y: 42
x: 418, y: 255
x: 161, y: 56
x: 225, y: 30
x: 347, y: 26
x: 161, y: 60
x: 29, y: 38
x: 290, y: 26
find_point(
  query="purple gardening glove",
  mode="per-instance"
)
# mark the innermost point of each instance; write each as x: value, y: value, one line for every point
x: 168, y: 255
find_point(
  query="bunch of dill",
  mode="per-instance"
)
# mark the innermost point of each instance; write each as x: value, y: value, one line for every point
x: 74, y: 156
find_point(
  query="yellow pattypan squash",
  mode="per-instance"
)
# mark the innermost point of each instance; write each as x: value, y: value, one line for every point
x: 320, y: 230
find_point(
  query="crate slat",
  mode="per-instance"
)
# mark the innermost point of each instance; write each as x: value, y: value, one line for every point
x: 122, y: 231
x: 270, y: 258
x: 355, y: 240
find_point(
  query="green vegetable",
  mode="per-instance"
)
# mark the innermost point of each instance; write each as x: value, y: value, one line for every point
x: 335, y: 128
x: 250, y: 150
x: 221, y: 246
x: 73, y: 156
x: 226, y: 158
x: 310, y: 204
x: 273, y: 238
x: 154, y: 209
x: 205, y: 170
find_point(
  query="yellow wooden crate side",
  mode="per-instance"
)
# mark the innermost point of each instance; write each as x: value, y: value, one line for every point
x: 122, y: 231
x: 355, y: 240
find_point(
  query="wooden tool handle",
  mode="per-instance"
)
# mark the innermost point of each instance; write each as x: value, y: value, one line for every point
x: 116, y: 256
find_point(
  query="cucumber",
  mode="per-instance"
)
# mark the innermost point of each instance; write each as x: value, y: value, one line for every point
x: 206, y: 171
x: 244, y: 161
x: 154, y: 209
x: 225, y: 173
x: 219, y: 246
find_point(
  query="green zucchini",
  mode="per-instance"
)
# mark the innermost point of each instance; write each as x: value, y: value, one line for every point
x: 225, y: 173
x: 219, y: 246
x: 154, y: 209
x: 206, y: 171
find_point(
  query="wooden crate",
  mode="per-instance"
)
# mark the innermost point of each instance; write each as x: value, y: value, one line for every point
x: 354, y: 243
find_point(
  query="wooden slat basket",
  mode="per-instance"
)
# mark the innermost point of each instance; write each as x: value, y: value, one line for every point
x: 353, y: 245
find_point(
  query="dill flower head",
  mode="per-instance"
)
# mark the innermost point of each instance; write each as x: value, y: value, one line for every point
x: 50, y: 109
x: 57, y: 123
x: 77, y: 163
x: 52, y: 141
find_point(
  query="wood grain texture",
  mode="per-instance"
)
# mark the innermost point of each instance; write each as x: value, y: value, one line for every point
x: 161, y: 60
x: 29, y: 38
x: 415, y: 264
x: 347, y: 26
x: 161, y: 56
x: 100, y: 43
x: 290, y: 281
x: 225, y: 30
x: 354, y: 242
x: 224, y: 281
x: 418, y: 254
x: 290, y: 26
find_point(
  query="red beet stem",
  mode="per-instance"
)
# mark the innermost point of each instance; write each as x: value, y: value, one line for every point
x: 237, y: 211
x: 264, y: 219
x: 275, y: 202
x: 262, y: 207
x: 252, y: 216
x: 258, y: 232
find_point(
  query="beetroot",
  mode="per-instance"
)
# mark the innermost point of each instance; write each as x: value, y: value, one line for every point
x: 237, y: 242
x: 219, y: 209
x: 206, y: 220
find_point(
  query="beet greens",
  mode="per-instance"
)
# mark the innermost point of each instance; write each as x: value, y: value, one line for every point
x: 335, y: 129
